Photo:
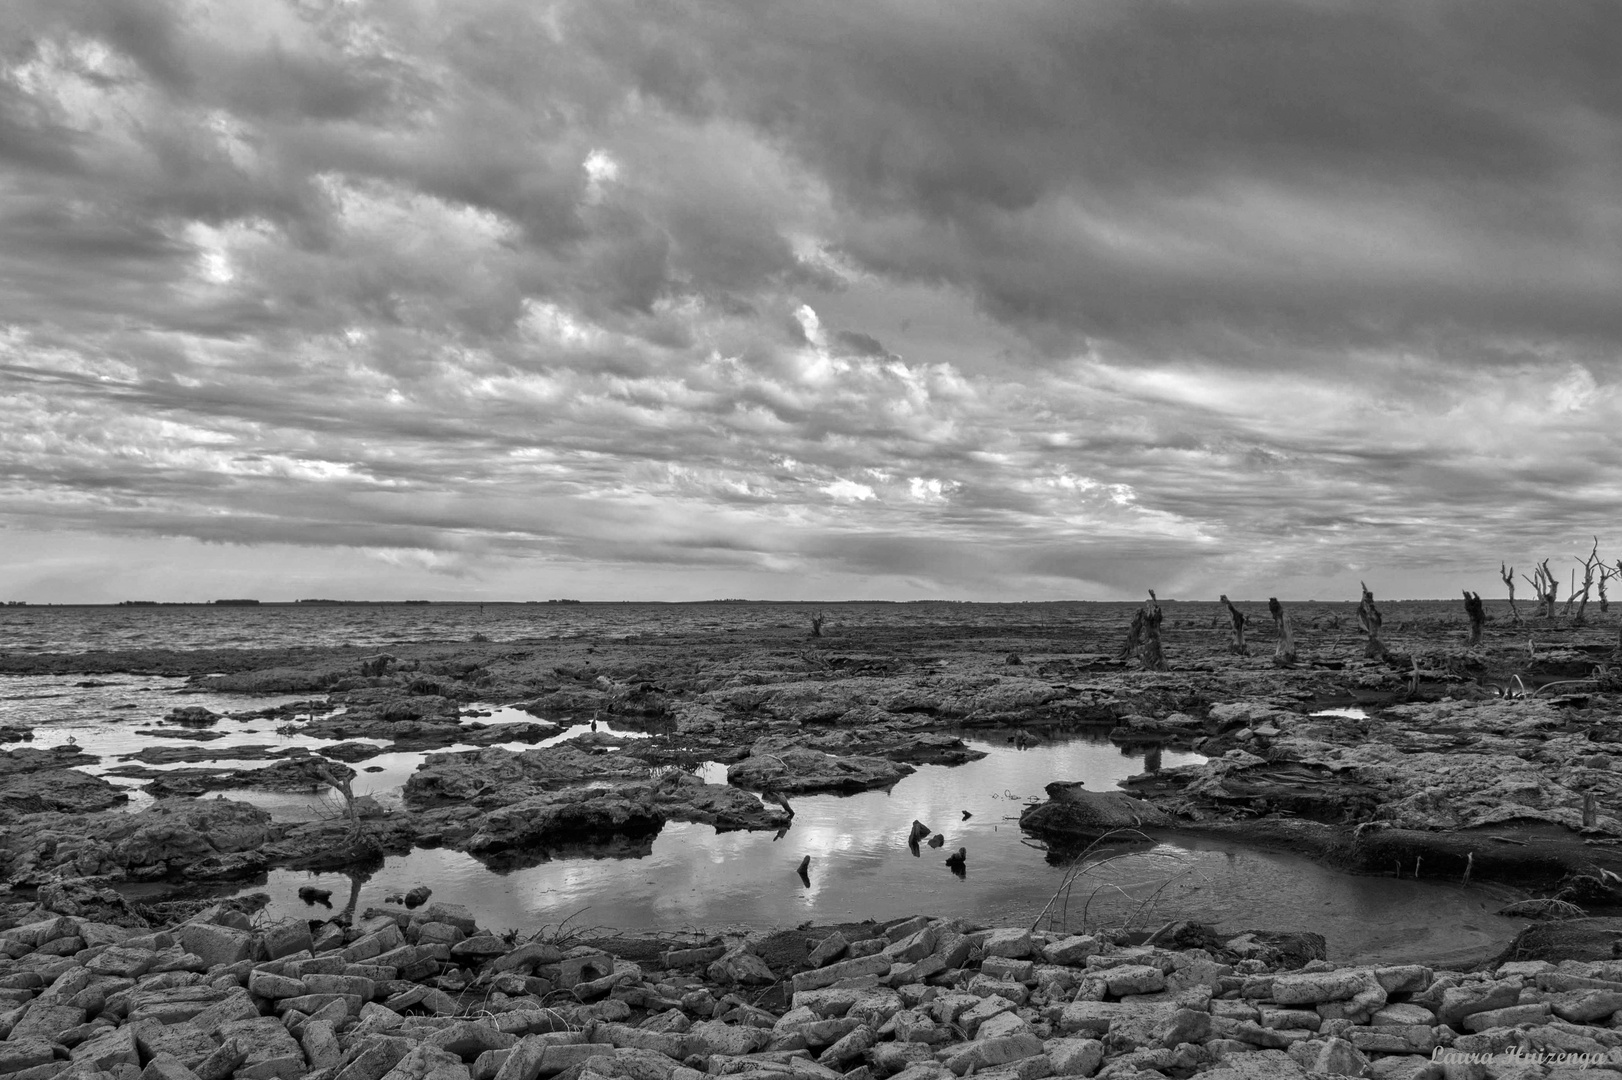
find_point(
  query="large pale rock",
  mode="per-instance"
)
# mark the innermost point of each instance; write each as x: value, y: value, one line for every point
x: 1340, y: 1058
x: 1134, y: 979
x: 1461, y: 1001
x: 741, y: 967
x: 774, y: 765
x: 1012, y: 942
x: 1074, y: 1057
x: 983, y: 1054
x: 1072, y: 951
x: 179, y: 832
x: 217, y: 944
x: 1514, y: 1016
x: 876, y: 964
x: 1586, y: 1006
x: 1319, y: 986
x: 715, y: 1037
x: 111, y: 1048
x: 1260, y: 1065
x: 1072, y: 810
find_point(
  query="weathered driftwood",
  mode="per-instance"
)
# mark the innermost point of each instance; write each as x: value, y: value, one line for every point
x: 1368, y: 620
x: 1237, y: 618
x: 1284, y: 651
x: 1477, y: 614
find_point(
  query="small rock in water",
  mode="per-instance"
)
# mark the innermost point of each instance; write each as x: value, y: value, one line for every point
x: 958, y: 861
x: 937, y: 840
x: 312, y: 895
x: 418, y: 896
x: 919, y: 831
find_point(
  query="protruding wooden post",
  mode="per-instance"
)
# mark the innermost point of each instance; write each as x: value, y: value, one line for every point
x: 1477, y: 614
x: 1368, y: 619
x: 1237, y: 618
x: 1284, y: 651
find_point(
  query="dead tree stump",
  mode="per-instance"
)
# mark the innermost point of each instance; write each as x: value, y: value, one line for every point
x: 1237, y: 618
x: 816, y: 624
x: 1143, y: 636
x: 1368, y: 620
x: 1284, y: 651
x: 1134, y: 636
x: 1477, y: 614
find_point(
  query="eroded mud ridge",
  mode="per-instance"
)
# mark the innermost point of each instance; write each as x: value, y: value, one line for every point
x: 400, y: 994
x: 1431, y: 759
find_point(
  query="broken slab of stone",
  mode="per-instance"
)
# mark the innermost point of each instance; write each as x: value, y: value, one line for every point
x: 774, y: 765
x: 1072, y: 812
x: 62, y: 790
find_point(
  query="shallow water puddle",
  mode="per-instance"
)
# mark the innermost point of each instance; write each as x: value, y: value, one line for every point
x: 861, y: 867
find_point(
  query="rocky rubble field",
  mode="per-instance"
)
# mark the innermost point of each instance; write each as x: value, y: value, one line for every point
x: 419, y: 994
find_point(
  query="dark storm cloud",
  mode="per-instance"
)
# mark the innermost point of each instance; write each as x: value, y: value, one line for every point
x: 1353, y: 171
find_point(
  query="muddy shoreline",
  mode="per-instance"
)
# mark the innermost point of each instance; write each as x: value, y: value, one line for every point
x: 1431, y: 759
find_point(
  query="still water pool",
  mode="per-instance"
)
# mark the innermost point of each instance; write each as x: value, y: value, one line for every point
x: 861, y: 867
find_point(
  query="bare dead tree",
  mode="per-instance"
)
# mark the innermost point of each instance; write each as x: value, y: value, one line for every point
x: 1477, y: 614
x: 339, y: 778
x: 1508, y: 574
x: 1284, y: 651
x: 1546, y: 586
x: 1606, y: 574
x: 1369, y: 620
x: 1237, y: 618
x: 1590, y: 564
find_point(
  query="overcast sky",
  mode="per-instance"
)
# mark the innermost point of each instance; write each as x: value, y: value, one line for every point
x: 681, y: 299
